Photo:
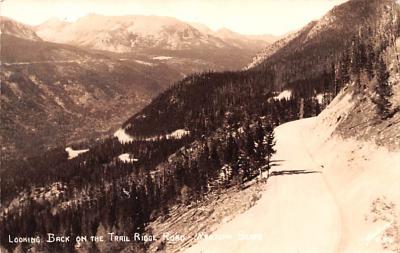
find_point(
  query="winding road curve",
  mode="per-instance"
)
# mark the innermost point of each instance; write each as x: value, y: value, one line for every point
x: 298, y: 212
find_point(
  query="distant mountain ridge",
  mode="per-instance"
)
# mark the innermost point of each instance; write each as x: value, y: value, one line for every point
x: 138, y: 33
x: 234, y: 37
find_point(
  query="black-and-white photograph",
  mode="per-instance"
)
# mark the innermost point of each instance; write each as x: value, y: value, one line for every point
x: 200, y: 126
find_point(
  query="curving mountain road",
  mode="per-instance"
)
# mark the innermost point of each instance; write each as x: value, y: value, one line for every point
x: 297, y: 213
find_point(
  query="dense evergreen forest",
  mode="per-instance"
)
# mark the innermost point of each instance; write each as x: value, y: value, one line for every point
x: 96, y: 188
x: 200, y: 102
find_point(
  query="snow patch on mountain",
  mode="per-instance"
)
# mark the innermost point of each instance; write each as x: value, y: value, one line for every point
x: 286, y: 94
x: 320, y: 98
x: 127, y: 158
x: 122, y: 136
x: 144, y: 63
x: 74, y: 153
x: 178, y: 134
x: 162, y: 58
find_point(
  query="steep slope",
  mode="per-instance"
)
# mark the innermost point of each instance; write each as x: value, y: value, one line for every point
x: 363, y: 119
x: 274, y: 47
x: 297, y: 211
x: 336, y: 186
x: 345, y: 200
x: 314, y: 49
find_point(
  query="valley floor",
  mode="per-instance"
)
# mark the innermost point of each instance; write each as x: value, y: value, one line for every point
x: 324, y: 195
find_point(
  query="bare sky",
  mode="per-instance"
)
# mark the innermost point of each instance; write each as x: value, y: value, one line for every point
x: 244, y: 16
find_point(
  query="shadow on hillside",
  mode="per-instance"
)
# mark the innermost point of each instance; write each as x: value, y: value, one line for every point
x: 275, y: 163
x: 292, y: 172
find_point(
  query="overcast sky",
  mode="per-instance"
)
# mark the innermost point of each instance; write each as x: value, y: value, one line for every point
x: 244, y: 16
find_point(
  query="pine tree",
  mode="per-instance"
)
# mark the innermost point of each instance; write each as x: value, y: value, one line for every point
x: 316, y: 107
x: 204, y: 164
x: 269, y: 143
x: 370, y: 58
x: 215, y: 161
x: 249, y: 143
x: 260, y: 151
x: 244, y: 166
x: 383, y: 91
x: 356, y: 59
x: 231, y: 151
x: 343, y: 76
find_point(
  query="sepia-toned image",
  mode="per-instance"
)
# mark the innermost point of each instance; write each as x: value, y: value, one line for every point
x: 200, y: 126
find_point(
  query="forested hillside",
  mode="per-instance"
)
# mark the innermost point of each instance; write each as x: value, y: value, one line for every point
x: 228, y: 119
x: 57, y: 94
x: 312, y: 51
x: 310, y: 62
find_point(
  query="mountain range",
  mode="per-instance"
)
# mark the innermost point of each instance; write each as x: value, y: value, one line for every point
x: 60, y: 79
x: 54, y: 93
x: 142, y: 34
